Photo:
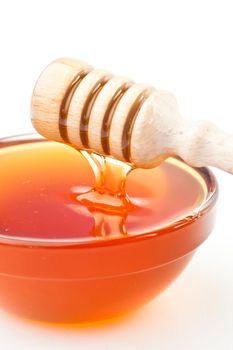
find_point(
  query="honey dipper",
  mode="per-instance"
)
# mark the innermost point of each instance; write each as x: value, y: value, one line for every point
x: 135, y: 123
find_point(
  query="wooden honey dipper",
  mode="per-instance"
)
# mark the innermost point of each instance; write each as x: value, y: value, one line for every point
x: 91, y: 109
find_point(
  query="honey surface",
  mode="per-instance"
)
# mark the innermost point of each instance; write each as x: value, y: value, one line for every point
x: 42, y: 184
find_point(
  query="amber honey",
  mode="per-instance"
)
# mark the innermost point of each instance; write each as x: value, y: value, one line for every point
x: 83, y: 241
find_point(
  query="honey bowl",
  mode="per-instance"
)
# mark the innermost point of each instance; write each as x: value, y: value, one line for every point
x: 54, y: 264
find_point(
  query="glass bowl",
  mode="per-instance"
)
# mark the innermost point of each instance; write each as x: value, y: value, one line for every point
x: 59, y: 280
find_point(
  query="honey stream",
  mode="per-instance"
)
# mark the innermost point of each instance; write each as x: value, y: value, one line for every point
x: 107, y: 200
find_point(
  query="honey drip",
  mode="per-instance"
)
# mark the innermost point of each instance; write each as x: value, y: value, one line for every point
x: 107, y: 120
x: 84, y: 122
x: 107, y: 200
x: 66, y: 104
x: 129, y: 124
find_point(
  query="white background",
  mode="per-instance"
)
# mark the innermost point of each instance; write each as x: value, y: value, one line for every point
x: 183, y: 46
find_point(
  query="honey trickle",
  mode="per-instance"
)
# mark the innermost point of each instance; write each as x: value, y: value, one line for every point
x: 107, y: 200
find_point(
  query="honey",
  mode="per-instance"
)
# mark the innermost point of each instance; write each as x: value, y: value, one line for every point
x: 84, y: 238
x: 44, y: 186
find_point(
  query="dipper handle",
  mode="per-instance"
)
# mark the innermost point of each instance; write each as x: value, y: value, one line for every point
x: 91, y: 109
x: 198, y: 143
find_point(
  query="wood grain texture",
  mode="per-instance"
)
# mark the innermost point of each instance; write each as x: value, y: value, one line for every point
x: 49, y: 92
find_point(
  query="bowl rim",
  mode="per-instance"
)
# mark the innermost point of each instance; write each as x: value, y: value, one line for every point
x: 200, y: 210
